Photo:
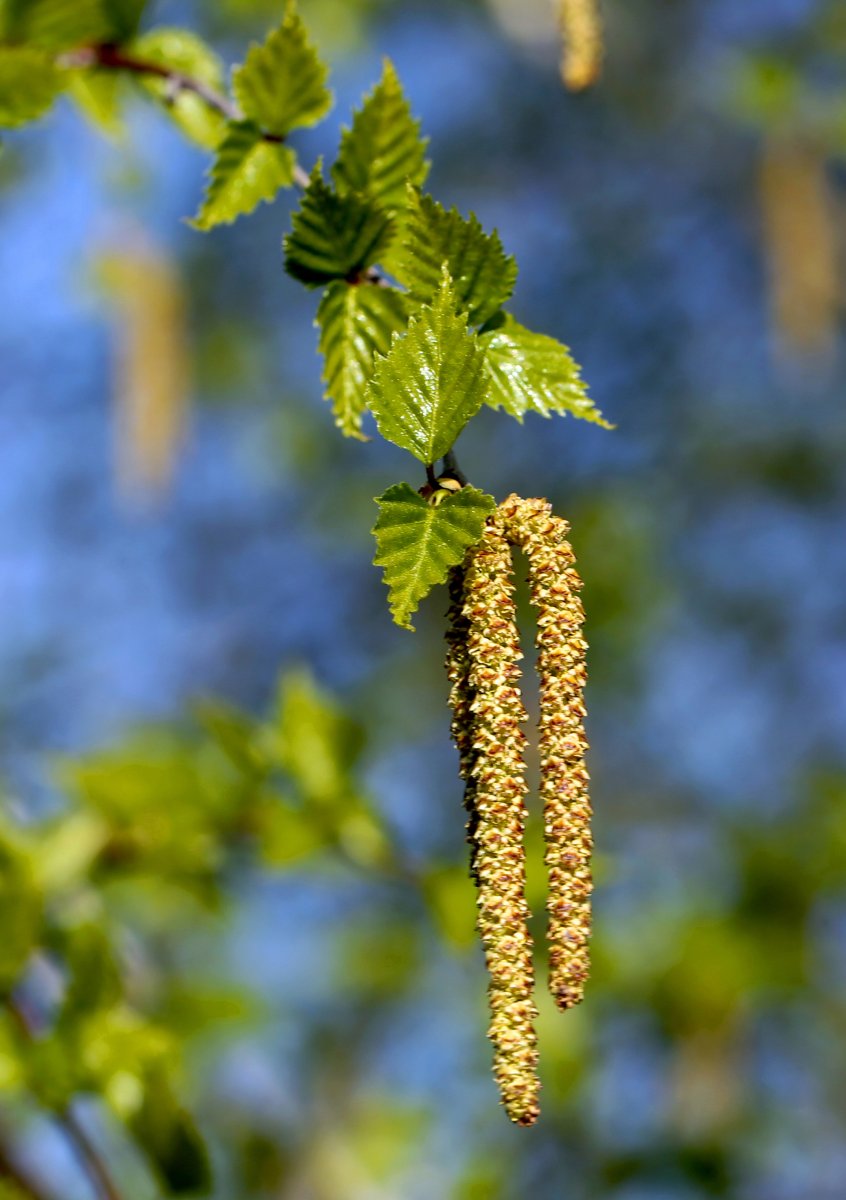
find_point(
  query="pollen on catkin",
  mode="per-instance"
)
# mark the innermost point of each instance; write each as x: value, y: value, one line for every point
x: 581, y: 29
x: 554, y: 588
x: 493, y: 760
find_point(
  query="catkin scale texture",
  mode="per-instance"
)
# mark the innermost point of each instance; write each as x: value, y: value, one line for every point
x: 495, y: 768
x: 488, y: 713
x: 554, y: 588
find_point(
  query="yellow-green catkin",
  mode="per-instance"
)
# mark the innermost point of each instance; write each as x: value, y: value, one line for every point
x: 461, y: 697
x: 581, y: 29
x: 554, y: 586
x: 496, y: 770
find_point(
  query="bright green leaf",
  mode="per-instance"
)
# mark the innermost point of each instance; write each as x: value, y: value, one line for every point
x: 282, y: 84
x: 29, y: 83
x: 530, y: 372
x: 483, y: 275
x: 246, y: 171
x: 98, y: 94
x: 332, y: 236
x: 181, y: 51
x: 383, y: 150
x: 315, y: 742
x: 431, y: 382
x: 418, y: 542
x: 94, y: 980
x: 356, y: 322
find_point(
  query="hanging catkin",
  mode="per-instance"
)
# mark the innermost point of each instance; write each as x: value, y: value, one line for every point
x: 488, y: 711
x: 581, y: 29
x: 554, y: 587
x: 497, y: 786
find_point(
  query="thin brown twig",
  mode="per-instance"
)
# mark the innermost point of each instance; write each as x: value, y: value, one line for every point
x: 108, y: 57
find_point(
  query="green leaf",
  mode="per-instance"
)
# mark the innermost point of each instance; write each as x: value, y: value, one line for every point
x: 383, y: 150
x: 55, y: 24
x: 417, y: 542
x: 94, y: 976
x: 181, y: 51
x: 97, y: 94
x: 431, y: 382
x: 316, y: 742
x: 530, y: 372
x: 332, y: 236
x: 356, y: 322
x: 282, y: 84
x: 29, y: 83
x: 246, y: 171
x: 483, y: 275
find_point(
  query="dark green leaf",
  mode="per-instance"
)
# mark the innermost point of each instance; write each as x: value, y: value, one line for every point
x: 529, y: 372
x: 417, y: 542
x: 171, y: 1140
x: 282, y: 84
x: 247, y: 170
x: 356, y: 322
x: 20, y: 908
x: 383, y: 150
x: 431, y: 382
x: 483, y: 275
x: 55, y: 24
x: 332, y: 236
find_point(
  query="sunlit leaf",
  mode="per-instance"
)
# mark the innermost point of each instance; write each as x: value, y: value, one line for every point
x: 282, y: 84
x: 382, y: 151
x: 356, y: 323
x: 20, y: 907
x: 247, y: 171
x: 529, y: 372
x: 431, y: 382
x: 418, y: 542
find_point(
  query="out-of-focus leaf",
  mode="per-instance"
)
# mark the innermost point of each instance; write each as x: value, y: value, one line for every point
x: 67, y: 848
x: 55, y: 24
x: 20, y: 908
x: 529, y: 372
x: 483, y: 274
x: 287, y: 836
x: 171, y: 1140
x: 235, y: 733
x: 247, y: 171
x: 332, y: 236
x: 383, y: 149
x: 185, y: 53
x: 282, y: 84
x: 418, y: 542
x: 124, y: 17
x: 451, y: 897
x: 29, y: 83
x: 98, y: 96
x: 356, y: 323
x: 315, y: 742
x: 431, y: 382
x: 94, y: 979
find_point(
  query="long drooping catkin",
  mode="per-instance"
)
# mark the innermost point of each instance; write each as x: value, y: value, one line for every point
x: 461, y: 698
x: 555, y: 585
x: 496, y: 769
x: 581, y: 28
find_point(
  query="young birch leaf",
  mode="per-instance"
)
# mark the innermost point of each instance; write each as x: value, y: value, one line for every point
x: 124, y: 17
x: 356, y: 322
x: 29, y: 83
x: 282, y: 84
x: 530, y: 372
x: 383, y: 150
x: 332, y: 236
x: 431, y: 382
x: 246, y: 171
x: 417, y: 543
x: 483, y: 274
x: 182, y: 51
